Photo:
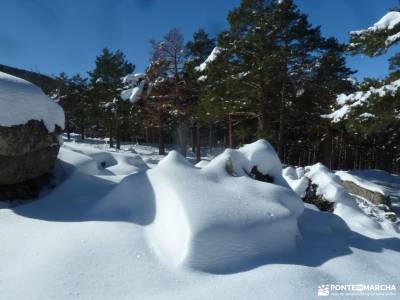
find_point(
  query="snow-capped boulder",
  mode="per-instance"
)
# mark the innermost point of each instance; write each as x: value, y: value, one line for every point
x: 363, y: 188
x: 211, y: 220
x: 30, y: 123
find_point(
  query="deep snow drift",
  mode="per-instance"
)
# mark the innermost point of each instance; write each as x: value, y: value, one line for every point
x: 16, y: 98
x: 113, y: 228
x: 210, y: 220
x: 359, y: 214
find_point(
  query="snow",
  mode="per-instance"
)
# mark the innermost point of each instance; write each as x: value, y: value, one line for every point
x: 21, y: 101
x: 112, y: 228
x: 348, y: 102
x: 392, y: 39
x: 389, y: 183
x: 214, y: 54
x: 346, y: 206
x: 218, y: 229
x: 367, y: 115
x: 134, y: 89
x: 296, y: 180
x: 202, y: 78
x: 133, y: 79
x: 387, y: 22
x: 346, y: 176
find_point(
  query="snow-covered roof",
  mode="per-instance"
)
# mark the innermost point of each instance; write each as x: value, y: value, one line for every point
x: 214, y: 54
x: 22, y: 101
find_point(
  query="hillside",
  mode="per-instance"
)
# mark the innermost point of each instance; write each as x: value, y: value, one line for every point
x: 46, y: 83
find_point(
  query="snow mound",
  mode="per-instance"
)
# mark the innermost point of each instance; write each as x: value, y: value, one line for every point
x: 22, y: 101
x: 346, y: 206
x: 241, y: 162
x: 296, y: 180
x: 92, y: 161
x: 209, y: 220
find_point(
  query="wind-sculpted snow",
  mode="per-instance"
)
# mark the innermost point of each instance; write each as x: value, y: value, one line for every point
x: 214, y: 221
x: 171, y: 231
x: 331, y: 188
x: 296, y: 180
x: 22, y: 101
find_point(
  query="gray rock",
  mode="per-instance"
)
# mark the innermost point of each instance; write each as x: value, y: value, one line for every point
x: 374, y: 197
x: 27, y: 155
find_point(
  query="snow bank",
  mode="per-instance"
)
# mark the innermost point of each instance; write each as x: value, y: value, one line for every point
x: 89, y: 160
x: 241, y: 162
x: 88, y: 237
x: 331, y: 188
x: 21, y: 101
x: 348, y: 102
x: 211, y: 220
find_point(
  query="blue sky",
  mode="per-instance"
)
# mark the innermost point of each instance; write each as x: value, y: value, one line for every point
x: 51, y: 36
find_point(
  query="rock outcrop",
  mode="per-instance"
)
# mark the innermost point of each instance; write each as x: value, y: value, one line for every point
x: 30, y: 123
x: 372, y: 196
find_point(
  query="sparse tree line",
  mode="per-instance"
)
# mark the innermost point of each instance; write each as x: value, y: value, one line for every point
x: 271, y: 75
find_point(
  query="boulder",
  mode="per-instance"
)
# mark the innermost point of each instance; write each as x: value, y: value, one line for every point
x: 372, y: 196
x: 30, y: 123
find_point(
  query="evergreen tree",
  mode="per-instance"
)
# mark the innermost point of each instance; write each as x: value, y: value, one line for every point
x: 106, y: 82
x: 265, y: 58
x: 197, y: 52
x: 62, y: 94
x: 169, y: 53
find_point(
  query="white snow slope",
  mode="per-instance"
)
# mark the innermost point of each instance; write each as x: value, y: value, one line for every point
x: 21, y: 101
x: 112, y: 228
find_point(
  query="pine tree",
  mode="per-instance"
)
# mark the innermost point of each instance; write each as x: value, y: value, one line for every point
x: 196, y: 52
x: 79, y: 103
x: 377, y: 117
x: 106, y: 82
x: 62, y: 94
x: 331, y: 77
x: 265, y: 58
x: 170, y: 51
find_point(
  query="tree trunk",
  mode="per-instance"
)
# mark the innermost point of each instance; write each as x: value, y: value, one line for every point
x: 198, y: 152
x: 281, y: 121
x: 161, y: 145
x: 82, y: 133
x: 194, y: 137
x: 110, y: 133
x: 210, y: 144
x: 230, y: 137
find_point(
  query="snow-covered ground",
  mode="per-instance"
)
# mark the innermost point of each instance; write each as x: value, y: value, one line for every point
x: 131, y: 224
